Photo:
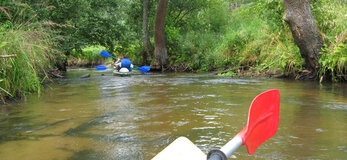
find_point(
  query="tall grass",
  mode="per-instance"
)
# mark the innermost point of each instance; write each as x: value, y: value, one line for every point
x: 32, y: 44
x: 196, y: 50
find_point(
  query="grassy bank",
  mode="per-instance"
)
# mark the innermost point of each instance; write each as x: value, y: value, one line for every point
x: 256, y: 39
x: 34, y: 56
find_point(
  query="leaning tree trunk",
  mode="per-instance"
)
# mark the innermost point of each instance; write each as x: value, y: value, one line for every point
x: 145, y: 35
x: 304, y: 30
x: 161, y: 57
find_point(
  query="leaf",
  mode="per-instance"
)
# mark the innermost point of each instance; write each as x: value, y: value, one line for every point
x: 6, y: 92
x: 4, y: 10
x: 2, y: 44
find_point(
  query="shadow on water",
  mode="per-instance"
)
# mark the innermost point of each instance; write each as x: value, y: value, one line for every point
x: 92, y: 155
x: 22, y: 127
x: 80, y: 130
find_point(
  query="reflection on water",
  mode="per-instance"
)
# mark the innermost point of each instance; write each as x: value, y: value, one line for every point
x: 108, y: 117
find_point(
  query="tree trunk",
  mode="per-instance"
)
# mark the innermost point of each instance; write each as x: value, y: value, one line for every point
x: 161, y: 57
x: 145, y: 35
x: 305, y: 33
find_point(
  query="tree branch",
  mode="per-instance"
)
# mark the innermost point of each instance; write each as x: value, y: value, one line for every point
x: 186, y: 13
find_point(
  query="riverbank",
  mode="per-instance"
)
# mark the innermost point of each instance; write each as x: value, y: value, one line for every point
x: 257, y: 39
x: 301, y: 75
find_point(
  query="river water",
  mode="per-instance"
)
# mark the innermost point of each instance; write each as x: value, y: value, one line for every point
x: 134, y: 118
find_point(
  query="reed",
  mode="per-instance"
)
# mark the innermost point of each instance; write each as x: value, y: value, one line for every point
x: 35, y: 55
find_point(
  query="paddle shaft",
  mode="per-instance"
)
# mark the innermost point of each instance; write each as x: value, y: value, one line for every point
x: 226, y: 151
x: 232, y: 146
x: 114, y: 58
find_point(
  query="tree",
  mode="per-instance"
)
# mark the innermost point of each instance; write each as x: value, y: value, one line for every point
x: 80, y: 23
x: 304, y: 30
x: 145, y: 33
x: 161, y: 56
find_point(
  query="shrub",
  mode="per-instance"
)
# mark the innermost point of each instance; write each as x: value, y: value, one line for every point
x: 86, y: 57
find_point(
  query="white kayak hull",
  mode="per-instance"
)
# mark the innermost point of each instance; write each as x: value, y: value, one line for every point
x: 122, y: 74
x: 181, y: 149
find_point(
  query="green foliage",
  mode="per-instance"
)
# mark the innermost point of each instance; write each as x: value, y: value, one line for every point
x: 257, y: 38
x: 330, y: 17
x: 197, y: 48
x: 193, y: 28
x: 91, y: 53
x: 201, y: 35
x: 227, y: 74
x: 183, y: 14
x: 35, y: 50
x: 81, y: 22
x: 132, y: 50
x: 217, y: 38
x: 88, y: 56
x: 35, y: 56
x: 334, y: 62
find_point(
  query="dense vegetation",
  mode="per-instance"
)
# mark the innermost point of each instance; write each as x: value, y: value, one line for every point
x: 221, y: 35
x: 32, y: 51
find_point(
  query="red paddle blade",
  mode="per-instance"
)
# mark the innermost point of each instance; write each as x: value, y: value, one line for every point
x: 262, y: 120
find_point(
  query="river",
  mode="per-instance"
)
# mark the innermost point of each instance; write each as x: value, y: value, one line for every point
x: 134, y: 118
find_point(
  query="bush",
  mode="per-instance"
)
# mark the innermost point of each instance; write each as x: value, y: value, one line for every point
x: 87, y: 56
x: 228, y: 74
x: 334, y: 63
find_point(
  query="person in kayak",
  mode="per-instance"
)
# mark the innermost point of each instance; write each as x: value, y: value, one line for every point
x: 123, y: 62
